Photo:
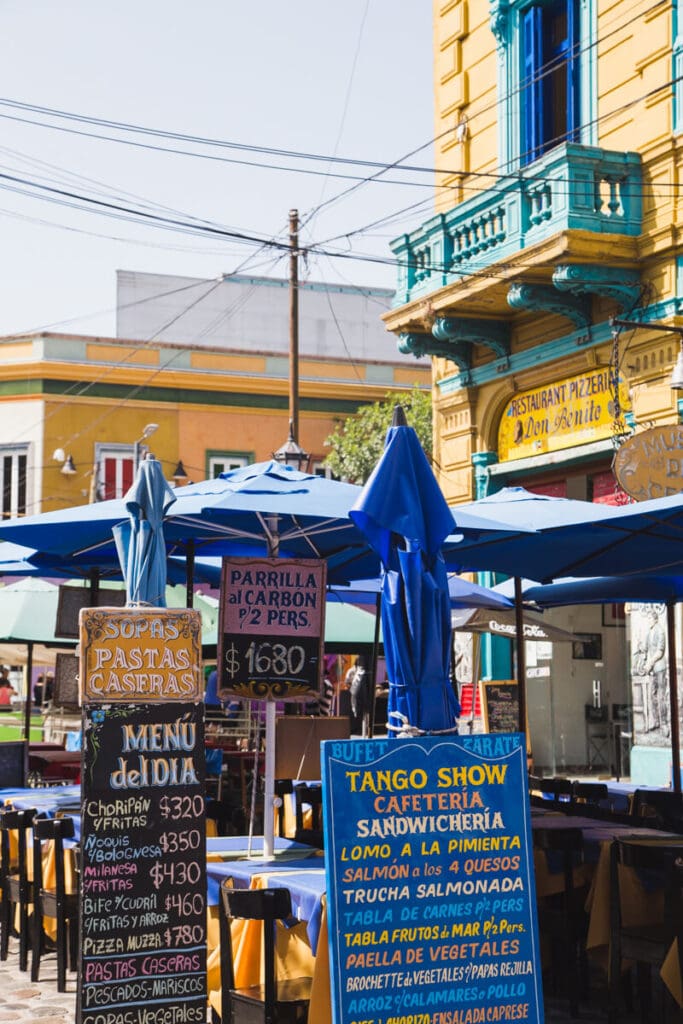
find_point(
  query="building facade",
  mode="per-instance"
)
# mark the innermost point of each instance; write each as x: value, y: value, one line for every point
x: 77, y: 410
x: 558, y: 154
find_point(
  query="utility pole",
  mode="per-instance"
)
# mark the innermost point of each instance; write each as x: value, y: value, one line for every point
x: 294, y: 323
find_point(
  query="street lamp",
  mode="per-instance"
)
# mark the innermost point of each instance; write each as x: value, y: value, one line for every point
x: 291, y: 453
x: 147, y: 432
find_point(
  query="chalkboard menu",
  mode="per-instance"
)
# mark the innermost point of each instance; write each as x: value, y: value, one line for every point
x: 271, y: 628
x: 143, y: 903
x: 430, y: 881
x: 72, y: 599
x: 66, y: 683
x: 13, y: 763
x: 500, y: 705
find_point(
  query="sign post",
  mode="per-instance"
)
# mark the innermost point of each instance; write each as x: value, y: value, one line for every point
x: 270, y: 643
x: 143, y: 839
x: 430, y: 881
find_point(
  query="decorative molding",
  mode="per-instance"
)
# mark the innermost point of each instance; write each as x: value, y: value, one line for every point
x: 499, y: 17
x: 542, y: 297
x: 482, y: 475
x: 492, y: 334
x: 420, y: 344
x: 623, y: 286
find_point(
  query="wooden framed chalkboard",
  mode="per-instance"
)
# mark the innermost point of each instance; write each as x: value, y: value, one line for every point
x: 65, y: 686
x: 13, y: 764
x: 500, y: 705
x: 72, y: 599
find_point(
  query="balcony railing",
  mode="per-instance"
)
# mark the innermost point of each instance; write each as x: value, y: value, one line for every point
x: 572, y: 187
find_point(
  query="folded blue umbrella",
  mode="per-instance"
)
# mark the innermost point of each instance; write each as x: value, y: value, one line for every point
x: 406, y: 520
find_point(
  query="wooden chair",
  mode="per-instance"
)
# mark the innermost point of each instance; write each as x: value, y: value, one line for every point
x: 273, y: 1002
x: 311, y: 795
x: 663, y: 809
x: 562, y: 919
x: 17, y: 889
x: 282, y: 788
x: 645, y: 944
x: 594, y: 793
x: 54, y: 902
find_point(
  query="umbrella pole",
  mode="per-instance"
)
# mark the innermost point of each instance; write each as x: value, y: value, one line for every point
x: 269, y: 787
x: 521, y: 661
x: 189, y: 575
x: 673, y: 696
x: 375, y: 658
x: 94, y: 587
x: 27, y: 705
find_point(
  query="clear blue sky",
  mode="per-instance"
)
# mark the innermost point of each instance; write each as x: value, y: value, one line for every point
x: 352, y: 78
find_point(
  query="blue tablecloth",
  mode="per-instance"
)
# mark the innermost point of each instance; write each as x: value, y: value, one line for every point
x: 48, y: 800
x: 305, y: 880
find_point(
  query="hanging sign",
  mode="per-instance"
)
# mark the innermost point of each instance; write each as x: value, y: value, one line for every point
x: 573, y: 411
x: 430, y: 881
x: 272, y: 620
x: 650, y: 464
x: 130, y: 654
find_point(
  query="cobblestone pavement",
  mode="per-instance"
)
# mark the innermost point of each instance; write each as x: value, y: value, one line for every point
x: 35, y: 1002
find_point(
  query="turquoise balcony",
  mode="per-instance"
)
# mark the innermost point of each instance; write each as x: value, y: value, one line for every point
x: 572, y: 187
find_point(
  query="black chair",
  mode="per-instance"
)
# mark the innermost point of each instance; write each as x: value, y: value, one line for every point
x: 273, y: 1002
x: 282, y: 788
x: 54, y: 902
x: 311, y: 795
x: 662, y: 809
x: 645, y: 944
x: 594, y: 793
x: 229, y: 816
x: 17, y: 889
x: 562, y: 918
x: 555, y: 788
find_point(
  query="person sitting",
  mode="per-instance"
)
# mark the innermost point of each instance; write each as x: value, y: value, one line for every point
x: 7, y: 691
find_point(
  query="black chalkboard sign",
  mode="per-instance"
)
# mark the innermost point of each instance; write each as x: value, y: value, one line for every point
x: 65, y: 685
x: 500, y: 705
x: 72, y: 599
x: 143, y: 856
x: 13, y: 764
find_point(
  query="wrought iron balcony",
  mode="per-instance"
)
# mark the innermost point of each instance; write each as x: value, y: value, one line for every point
x: 572, y: 187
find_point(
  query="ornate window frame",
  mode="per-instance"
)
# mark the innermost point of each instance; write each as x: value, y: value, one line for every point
x: 505, y: 21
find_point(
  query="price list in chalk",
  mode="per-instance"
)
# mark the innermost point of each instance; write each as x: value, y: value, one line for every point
x: 430, y: 885
x: 143, y: 927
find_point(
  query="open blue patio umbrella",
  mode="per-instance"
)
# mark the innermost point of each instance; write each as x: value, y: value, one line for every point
x: 643, y: 587
x: 140, y: 540
x: 461, y: 593
x: 405, y: 518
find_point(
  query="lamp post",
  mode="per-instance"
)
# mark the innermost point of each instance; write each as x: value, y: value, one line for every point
x: 147, y: 432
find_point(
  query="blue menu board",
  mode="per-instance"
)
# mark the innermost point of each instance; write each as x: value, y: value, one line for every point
x: 431, y: 901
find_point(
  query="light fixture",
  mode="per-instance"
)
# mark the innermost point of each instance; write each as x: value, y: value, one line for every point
x: 291, y: 453
x: 58, y: 455
x: 149, y: 429
x: 137, y: 453
x: 68, y: 469
x: 676, y: 382
x: 179, y: 472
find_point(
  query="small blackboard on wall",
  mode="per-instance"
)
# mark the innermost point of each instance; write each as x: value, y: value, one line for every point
x: 72, y: 599
x: 65, y: 687
x: 13, y: 764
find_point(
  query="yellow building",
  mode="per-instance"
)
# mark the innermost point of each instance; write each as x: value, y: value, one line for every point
x: 558, y: 127
x: 75, y: 408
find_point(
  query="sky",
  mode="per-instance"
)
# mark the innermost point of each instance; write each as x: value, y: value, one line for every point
x: 352, y: 80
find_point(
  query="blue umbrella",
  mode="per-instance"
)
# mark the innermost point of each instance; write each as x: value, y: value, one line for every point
x: 406, y: 519
x: 575, y: 538
x: 461, y: 593
x: 140, y: 540
x: 615, y: 590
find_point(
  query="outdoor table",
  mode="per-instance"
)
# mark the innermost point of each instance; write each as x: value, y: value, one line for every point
x: 640, y: 904
x: 301, y: 950
x: 48, y: 800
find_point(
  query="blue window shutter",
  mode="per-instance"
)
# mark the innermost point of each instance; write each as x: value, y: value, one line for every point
x: 532, y: 91
x: 573, y: 72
